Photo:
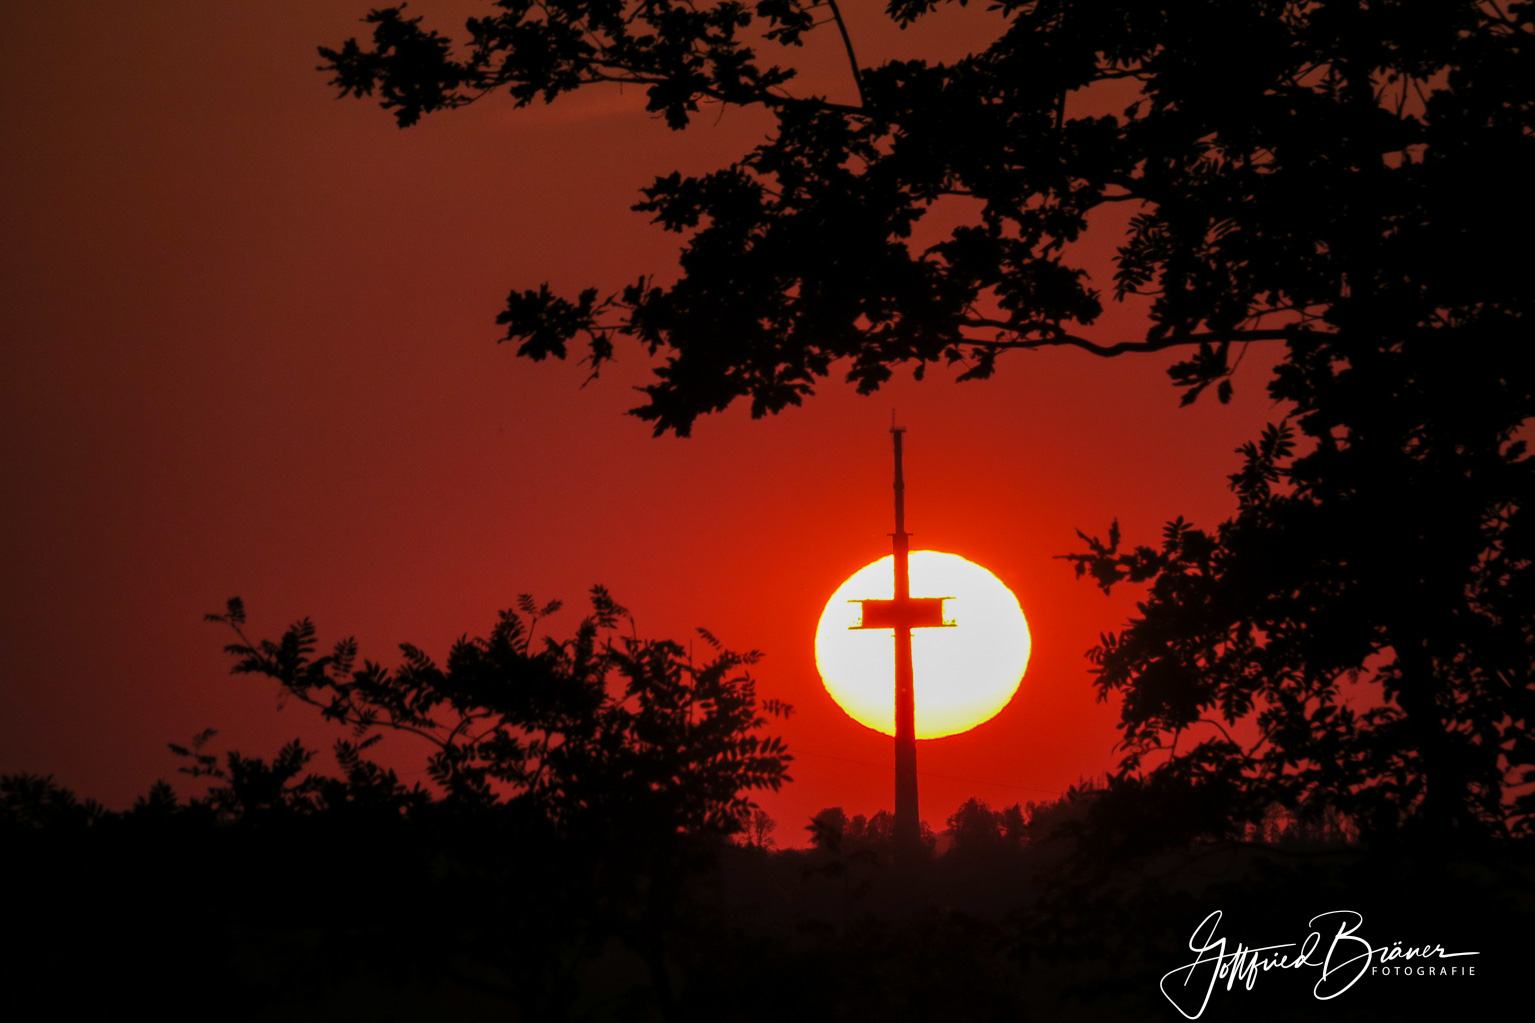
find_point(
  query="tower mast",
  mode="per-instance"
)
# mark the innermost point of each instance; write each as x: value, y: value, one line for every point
x: 907, y: 828
x: 902, y: 614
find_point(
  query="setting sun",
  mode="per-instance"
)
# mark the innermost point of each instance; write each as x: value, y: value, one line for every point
x: 963, y: 675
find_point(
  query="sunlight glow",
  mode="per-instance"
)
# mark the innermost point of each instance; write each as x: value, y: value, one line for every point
x: 963, y: 675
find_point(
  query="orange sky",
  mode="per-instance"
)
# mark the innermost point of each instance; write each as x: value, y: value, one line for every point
x: 250, y: 349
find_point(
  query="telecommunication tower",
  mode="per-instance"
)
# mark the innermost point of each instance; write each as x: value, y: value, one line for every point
x: 902, y: 614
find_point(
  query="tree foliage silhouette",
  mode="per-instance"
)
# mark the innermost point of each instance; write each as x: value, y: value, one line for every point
x: 1329, y: 175
x: 1290, y: 170
x: 975, y: 825
x: 760, y: 829
x: 618, y: 763
x: 600, y: 732
x: 1368, y: 614
x: 29, y: 801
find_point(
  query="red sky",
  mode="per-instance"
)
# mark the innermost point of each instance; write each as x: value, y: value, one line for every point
x: 249, y: 349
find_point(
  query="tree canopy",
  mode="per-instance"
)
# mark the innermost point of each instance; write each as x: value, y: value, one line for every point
x: 602, y: 736
x: 1336, y: 177
x: 1290, y: 169
x: 615, y: 766
x: 578, y: 788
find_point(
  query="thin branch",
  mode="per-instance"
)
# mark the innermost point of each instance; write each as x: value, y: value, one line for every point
x: 388, y: 722
x: 763, y: 96
x: 1121, y: 348
x: 1220, y: 728
x: 852, y: 59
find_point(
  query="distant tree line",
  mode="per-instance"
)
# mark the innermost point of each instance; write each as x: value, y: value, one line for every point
x: 974, y: 825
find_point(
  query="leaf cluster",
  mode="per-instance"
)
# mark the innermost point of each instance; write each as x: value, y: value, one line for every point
x: 1358, y: 638
x: 1284, y: 167
x: 602, y: 734
x: 30, y: 801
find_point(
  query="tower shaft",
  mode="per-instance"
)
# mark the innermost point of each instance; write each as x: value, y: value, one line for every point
x: 907, y: 826
x: 901, y: 614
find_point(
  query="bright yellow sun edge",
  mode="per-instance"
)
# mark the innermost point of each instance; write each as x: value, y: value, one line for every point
x: 963, y: 675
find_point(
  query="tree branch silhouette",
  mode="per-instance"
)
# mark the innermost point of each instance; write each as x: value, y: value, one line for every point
x: 797, y: 260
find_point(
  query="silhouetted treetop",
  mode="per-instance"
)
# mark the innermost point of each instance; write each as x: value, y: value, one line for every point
x: 1318, y: 172
x: 599, y: 734
x: 29, y: 801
